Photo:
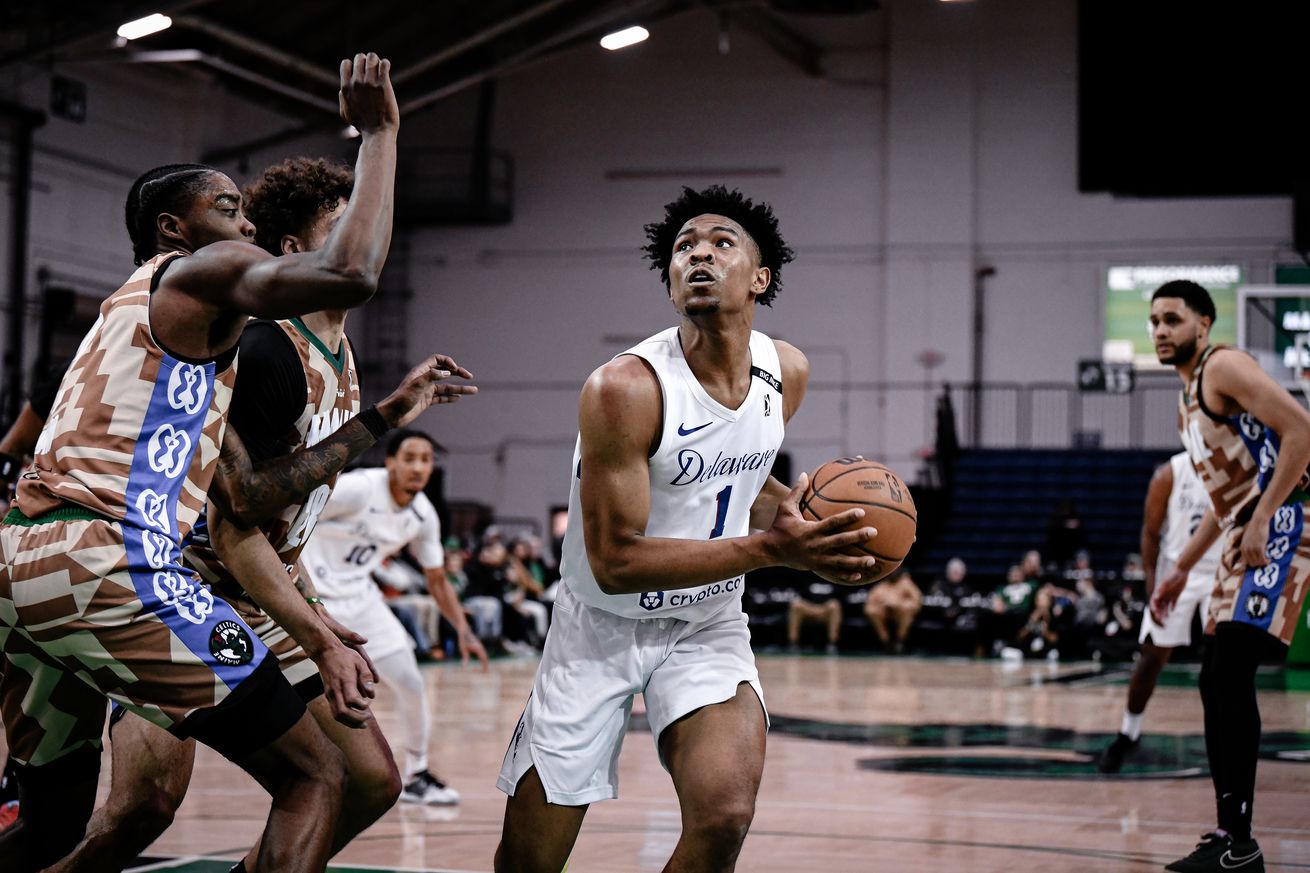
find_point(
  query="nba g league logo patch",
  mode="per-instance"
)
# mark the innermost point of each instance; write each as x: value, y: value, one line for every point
x: 1257, y: 605
x: 651, y: 600
x: 230, y: 644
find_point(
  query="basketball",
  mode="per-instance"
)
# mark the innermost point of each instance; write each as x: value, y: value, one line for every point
x: 850, y: 483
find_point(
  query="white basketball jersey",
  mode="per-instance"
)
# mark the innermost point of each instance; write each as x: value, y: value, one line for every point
x: 359, y: 528
x: 709, y: 467
x: 1188, y: 502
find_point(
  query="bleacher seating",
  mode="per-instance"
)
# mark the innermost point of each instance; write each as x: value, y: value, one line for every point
x: 1001, y: 500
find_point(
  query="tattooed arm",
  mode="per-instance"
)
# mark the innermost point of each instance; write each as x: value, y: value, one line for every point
x: 253, y: 493
x: 347, y: 678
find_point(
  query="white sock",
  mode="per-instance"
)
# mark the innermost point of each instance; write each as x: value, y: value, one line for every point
x: 1132, y: 726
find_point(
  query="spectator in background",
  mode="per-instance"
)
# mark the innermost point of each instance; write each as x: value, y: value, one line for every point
x: 525, y: 595
x: 814, y: 602
x: 1081, y: 568
x: 942, y: 602
x: 951, y: 607
x: 1039, y: 633
x: 454, y: 565
x: 1064, y: 534
x: 892, y: 605
x: 488, y: 582
x: 405, y: 589
x: 1125, y: 614
x: 1031, y: 567
x: 1133, y: 570
x: 1012, y: 602
x: 1090, y: 615
x: 497, y: 575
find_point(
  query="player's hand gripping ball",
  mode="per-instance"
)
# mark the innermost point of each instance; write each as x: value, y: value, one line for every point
x: 849, y: 483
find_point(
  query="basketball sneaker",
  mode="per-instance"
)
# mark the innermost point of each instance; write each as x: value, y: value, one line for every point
x: 428, y: 789
x: 1112, y: 759
x: 1221, y: 852
x: 8, y: 796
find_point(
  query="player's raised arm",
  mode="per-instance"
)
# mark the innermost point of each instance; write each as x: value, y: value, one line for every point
x: 620, y: 414
x: 344, y: 272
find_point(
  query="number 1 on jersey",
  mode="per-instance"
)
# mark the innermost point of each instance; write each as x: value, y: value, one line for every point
x: 721, y: 514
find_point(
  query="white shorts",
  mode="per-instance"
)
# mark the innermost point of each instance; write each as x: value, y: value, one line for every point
x: 593, y: 665
x: 373, y: 620
x: 1177, y: 627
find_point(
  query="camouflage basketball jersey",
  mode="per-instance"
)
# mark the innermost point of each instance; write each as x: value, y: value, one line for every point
x: 1234, y: 455
x: 135, y: 433
x: 332, y: 398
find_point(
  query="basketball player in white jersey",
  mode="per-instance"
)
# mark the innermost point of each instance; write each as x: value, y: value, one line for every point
x: 372, y: 515
x: 669, y: 476
x: 1176, y: 502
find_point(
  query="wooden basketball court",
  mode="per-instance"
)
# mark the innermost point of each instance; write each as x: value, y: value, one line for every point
x: 905, y: 764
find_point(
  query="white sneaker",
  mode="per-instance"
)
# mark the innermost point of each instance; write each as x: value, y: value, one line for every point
x: 428, y: 789
x: 519, y: 649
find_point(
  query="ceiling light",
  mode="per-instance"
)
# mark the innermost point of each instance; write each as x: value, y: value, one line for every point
x: 350, y: 132
x: 145, y: 26
x: 624, y: 38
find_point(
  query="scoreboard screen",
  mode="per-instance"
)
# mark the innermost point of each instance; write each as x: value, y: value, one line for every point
x: 1128, y: 291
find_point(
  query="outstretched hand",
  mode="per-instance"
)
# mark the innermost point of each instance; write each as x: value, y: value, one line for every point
x: 424, y: 386
x: 823, y: 547
x: 366, y: 98
x: 1167, y: 591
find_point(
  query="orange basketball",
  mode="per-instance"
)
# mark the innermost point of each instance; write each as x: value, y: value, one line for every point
x: 849, y: 483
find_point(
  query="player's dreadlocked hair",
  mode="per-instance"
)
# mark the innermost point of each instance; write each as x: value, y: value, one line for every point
x: 290, y: 195
x: 756, y: 219
x: 164, y: 189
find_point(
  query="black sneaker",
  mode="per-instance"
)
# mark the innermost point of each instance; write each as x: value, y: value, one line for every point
x: 1219, y: 852
x: 8, y: 796
x: 428, y: 789
x: 1112, y: 759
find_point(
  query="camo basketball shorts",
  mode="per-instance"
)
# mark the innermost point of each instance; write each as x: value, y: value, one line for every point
x: 292, y: 660
x: 86, y: 614
x: 1268, y: 597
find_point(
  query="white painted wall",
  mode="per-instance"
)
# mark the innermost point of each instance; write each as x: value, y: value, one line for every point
x: 955, y: 149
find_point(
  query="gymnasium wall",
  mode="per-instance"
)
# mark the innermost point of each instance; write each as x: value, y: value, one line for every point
x: 942, y: 141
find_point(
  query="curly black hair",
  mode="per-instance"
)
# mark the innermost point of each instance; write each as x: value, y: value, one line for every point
x: 1195, y: 296
x: 169, y: 188
x: 289, y: 196
x: 756, y: 219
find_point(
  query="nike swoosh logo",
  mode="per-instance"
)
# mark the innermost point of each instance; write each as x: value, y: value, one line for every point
x: 1237, y: 862
x: 683, y: 430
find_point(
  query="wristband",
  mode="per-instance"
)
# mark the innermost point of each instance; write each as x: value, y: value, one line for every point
x: 374, y: 422
x: 314, y: 601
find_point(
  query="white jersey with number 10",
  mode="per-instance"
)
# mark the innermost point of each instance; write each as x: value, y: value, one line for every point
x: 709, y: 467
x: 361, y: 527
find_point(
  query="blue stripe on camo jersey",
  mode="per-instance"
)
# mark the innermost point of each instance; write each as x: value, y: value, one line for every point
x: 169, y: 440
x: 1262, y: 443
x: 1263, y: 586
